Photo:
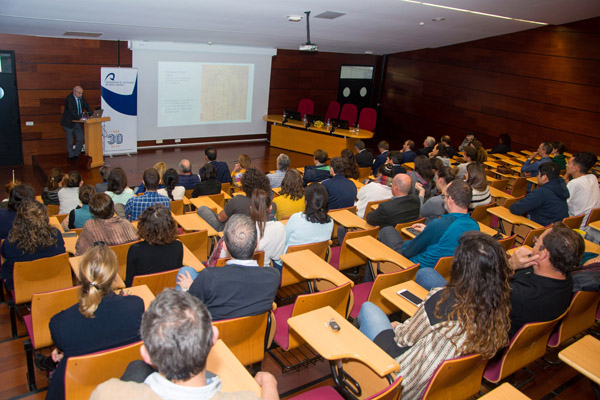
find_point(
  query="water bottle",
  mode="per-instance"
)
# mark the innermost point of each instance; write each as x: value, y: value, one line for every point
x: 328, y: 124
x: 305, y: 120
x: 357, y: 128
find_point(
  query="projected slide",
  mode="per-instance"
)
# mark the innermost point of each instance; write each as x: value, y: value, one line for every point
x: 193, y: 93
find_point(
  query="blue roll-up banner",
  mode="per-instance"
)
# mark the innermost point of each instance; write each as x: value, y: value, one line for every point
x: 119, y: 102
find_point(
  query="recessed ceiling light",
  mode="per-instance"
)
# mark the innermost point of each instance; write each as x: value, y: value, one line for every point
x: 294, y: 18
x: 438, y: 19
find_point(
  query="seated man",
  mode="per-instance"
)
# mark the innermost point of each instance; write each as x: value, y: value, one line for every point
x: 428, y: 145
x: 548, y: 202
x: 240, y: 288
x: 532, y: 167
x: 136, y: 205
x: 583, y: 187
x: 403, y: 207
x: 223, y: 174
x: 384, y: 149
x: 395, y: 159
x: 440, y: 237
x: 186, y: 178
x: 283, y: 163
x: 541, y: 287
x: 408, y: 152
x: 341, y: 190
x: 446, y: 140
x: 364, y: 158
x: 177, y: 334
x: 319, y: 171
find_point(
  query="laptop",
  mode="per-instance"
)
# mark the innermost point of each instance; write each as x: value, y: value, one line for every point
x: 97, y: 113
x: 339, y: 123
x: 312, y: 118
x: 293, y: 115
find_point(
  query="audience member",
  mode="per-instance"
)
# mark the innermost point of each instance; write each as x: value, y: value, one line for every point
x: 403, y: 206
x: 223, y: 174
x: 587, y: 277
x: 68, y: 195
x: 532, y: 167
x: 240, y: 288
x: 31, y: 238
x: 13, y: 183
x: 440, y: 151
x: 243, y: 163
x: 408, y: 152
x: 433, y: 207
x: 319, y: 171
x: 80, y: 214
x: 364, y: 158
x: 548, y: 202
x: 341, y: 190
x: 352, y: 171
x: 470, y: 315
x: 159, y: 249
x: 177, y: 334
x: 477, y: 179
x: 422, y: 174
x: 209, y: 184
x: 446, y: 141
x: 173, y: 190
x: 503, y: 146
x: 384, y: 148
x: 583, y: 186
x: 379, y: 189
x: 102, y: 320
x: 104, y: 174
x: 480, y: 153
x: 428, y: 145
x: 161, y: 168
x: 541, y: 287
x: 7, y: 216
x: 470, y: 157
x: 117, y: 188
x: 136, y: 205
x: 50, y: 192
x: 466, y: 141
x: 187, y: 178
x: 105, y: 227
x: 558, y: 149
x: 291, y: 196
x: 275, y: 178
x: 395, y: 159
x: 271, y: 234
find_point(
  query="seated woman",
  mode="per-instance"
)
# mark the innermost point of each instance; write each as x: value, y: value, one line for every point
x: 422, y: 174
x: 469, y: 315
x: 244, y: 162
x: 31, y: 238
x: 160, y: 250
x: 68, y: 195
x: 50, y: 192
x: 481, y: 154
x: 271, y: 234
x: 291, y: 196
x: 174, y: 192
x: 208, y: 182
x: 434, y: 207
x: 79, y: 216
x: 19, y: 194
x: 477, y: 179
x: 117, y: 188
x: 102, y: 320
x: 313, y: 225
x: 352, y: 170
x: 105, y: 227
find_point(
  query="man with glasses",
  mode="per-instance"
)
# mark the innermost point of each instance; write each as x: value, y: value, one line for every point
x: 75, y: 106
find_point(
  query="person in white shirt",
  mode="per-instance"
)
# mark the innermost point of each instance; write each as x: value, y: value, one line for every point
x: 583, y: 187
x: 379, y: 189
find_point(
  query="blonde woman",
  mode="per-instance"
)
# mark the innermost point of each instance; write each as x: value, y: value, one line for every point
x: 161, y: 168
x: 244, y: 162
x: 101, y: 320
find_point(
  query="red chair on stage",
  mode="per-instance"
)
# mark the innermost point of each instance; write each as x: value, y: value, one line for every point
x: 333, y: 111
x: 367, y: 119
x: 349, y: 113
x: 306, y: 106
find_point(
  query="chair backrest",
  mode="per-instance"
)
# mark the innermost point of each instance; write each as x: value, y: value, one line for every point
x: 367, y: 119
x: 350, y: 258
x: 337, y: 298
x: 259, y: 256
x: 333, y: 110
x: 349, y: 113
x: 574, y: 222
x: 508, y: 242
x: 42, y: 275
x: 197, y: 243
x: 528, y: 241
x: 306, y: 106
x: 480, y: 213
x: 177, y: 207
x: 121, y: 251
x: 226, y: 187
x: 444, y: 267
x: 593, y: 217
x: 319, y: 248
x: 364, y: 172
x: 84, y: 373
x: 370, y: 205
x: 246, y: 337
x: 580, y: 316
x: 500, y: 184
x: 158, y: 281
x: 509, y: 202
x: 519, y: 187
x: 218, y: 198
x: 391, y: 392
x: 188, y: 194
x: 46, y: 305
x: 77, y: 231
x: 457, y: 378
x: 52, y: 209
x: 386, y: 280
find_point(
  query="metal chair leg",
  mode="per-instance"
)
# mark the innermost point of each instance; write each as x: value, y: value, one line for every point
x: 30, y: 367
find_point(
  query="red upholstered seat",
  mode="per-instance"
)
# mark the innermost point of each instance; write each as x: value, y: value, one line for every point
x: 320, y: 393
x: 306, y: 106
x: 333, y: 111
x: 367, y: 119
x: 335, y: 257
x: 361, y: 294
x: 349, y: 113
x: 29, y: 326
x: 282, y: 314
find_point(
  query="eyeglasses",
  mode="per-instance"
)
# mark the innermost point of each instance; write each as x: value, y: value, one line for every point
x: 99, y: 243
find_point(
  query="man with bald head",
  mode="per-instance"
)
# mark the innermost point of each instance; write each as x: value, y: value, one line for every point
x: 75, y: 106
x: 186, y: 178
x: 402, y: 207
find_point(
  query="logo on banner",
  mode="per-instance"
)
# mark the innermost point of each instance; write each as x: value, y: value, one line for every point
x: 110, y: 76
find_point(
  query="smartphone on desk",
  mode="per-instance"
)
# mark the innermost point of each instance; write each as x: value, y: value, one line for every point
x: 413, y: 231
x: 409, y: 296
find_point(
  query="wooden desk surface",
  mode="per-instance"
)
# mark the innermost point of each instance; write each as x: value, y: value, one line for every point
x: 506, y: 391
x: 357, y: 183
x: 390, y: 294
x: 482, y: 227
x: 500, y: 193
x: 526, y: 152
x: 491, y: 179
x: 595, y: 225
x: 348, y: 342
x: 349, y: 219
x: 74, y: 263
x: 361, y: 134
x: 512, y: 162
x: 583, y: 355
x: 308, y: 265
x: 491, y: 164
x: 193, y: 222
x: 141, y: 291
x: 409, y: 165
x: 208, y: 202
x: 191, y: 260
x: 591, y: 247
x: 374, y: 250
x: 533, y: 181
x: 234, y: 376
x: 54, y: 222
x: 70, y: 242
x: 516, y: 169
x: 505, y: 214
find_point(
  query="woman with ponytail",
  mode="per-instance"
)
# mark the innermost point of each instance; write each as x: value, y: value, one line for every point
x: 271, y: 234
x: 172, y: 190
x: 101, y: 320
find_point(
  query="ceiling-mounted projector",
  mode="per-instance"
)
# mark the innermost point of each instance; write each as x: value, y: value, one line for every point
x: 308, y: 46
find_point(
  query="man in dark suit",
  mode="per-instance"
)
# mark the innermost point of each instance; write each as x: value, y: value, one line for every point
x: 223, y: 174
x: 384, y: 149
x: 75, y: 105
x: 364, y: 158
x: 403, y: 207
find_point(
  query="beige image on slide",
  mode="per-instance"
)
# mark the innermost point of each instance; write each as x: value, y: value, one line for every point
x: 225, y: 92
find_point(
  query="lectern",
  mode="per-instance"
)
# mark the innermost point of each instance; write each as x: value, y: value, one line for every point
x: 92, y: 129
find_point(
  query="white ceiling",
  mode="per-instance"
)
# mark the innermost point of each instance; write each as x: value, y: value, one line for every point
x: 378, y: 26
